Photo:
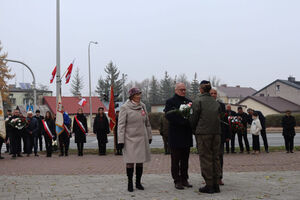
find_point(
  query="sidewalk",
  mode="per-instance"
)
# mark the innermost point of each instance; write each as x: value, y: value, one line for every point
x: 242, y: 186
x: 266, y: 176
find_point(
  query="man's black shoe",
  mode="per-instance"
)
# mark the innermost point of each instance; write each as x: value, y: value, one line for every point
x: 267, y: 151
x: 19, y: 155
x: 14, y: 156
x: 1, y: 157
x: 217, y: 188
x: 207, y: 189
x: 186, y: 184
x: 179, y: 186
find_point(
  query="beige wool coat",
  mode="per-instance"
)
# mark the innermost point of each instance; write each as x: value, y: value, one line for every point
x: 134, y: 131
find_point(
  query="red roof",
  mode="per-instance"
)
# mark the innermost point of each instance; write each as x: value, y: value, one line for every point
x: 71, y: 105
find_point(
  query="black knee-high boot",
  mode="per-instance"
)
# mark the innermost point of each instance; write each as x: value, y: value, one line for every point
x: 139, y: 172
x: 130, y: 176
x: 81, y: 148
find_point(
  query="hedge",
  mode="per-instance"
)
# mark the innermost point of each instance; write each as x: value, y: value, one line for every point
x: 271, y: 120
x: 275, y: 120
x: 155, y: 119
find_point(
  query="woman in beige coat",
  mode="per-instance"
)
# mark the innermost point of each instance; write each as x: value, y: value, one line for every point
x: 134, y: 136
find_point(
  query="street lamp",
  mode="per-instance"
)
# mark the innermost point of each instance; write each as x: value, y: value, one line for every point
x: 90, y: 88
x: 33, y: 77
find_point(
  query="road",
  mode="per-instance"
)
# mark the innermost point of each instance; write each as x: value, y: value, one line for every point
x: 274, y: 139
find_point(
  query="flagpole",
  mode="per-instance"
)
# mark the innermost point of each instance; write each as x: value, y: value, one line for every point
x: 58, y: 79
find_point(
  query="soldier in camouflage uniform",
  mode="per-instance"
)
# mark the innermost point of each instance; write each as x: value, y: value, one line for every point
x: 205, y: 122
x: 163, y: 130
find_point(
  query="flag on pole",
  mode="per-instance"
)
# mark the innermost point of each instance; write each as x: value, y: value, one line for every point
x: 53, y: 75
x: 111, y: 110
x: 69, y: 72
x: 82, y: 102
x: 2, y: 121
x: 59, y: 118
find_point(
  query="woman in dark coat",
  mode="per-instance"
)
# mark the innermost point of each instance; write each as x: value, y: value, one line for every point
x: 101, y: 129
x: 80, y: 129
x: 288, y: 125
x: 48, y: 132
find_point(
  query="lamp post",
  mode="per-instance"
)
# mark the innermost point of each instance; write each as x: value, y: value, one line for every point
x: 33, y: 77
x: 90, y: 87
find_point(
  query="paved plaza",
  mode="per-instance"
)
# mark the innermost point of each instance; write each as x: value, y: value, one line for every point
x: 266, y: 176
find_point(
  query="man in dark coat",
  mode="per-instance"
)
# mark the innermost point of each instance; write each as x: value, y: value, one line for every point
x: 31, y: 134
x: 39, y: 118
x: 205, y: 122
x: 64, y: 137
x: 80, y: 135
x: 262, y: 120
x: 244, y: 119
x: 180, y: 137
x: 229, y: 113
x: 225, y: 135
x: 288, y: 124
x: 15, y: 136
x: 101, y: 129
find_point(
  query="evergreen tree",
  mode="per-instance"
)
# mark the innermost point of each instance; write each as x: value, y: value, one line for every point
x: 5, y: 75
x: 166, y: 88
x: 77, y: 83
x: 154, y: 97
x: 112, y: 78
x: 194, y: 91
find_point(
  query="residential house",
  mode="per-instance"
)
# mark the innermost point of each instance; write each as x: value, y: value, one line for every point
x: 232, y: 95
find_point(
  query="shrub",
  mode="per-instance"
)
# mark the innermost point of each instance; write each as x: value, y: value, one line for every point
x: 275, y: 120
x: 155, y: 119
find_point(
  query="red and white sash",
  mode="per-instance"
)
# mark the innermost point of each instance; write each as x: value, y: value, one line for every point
x: 67, y: 130
x: 80, y: 125
x: 47, y: 130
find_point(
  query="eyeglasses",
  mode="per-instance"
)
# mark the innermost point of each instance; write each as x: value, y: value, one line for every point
x: 182, y: 90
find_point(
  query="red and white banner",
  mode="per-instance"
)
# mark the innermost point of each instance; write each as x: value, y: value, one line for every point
x: 82, y: 102
x: 111, y: 110
x: 67, y: 130
x: 80, y: 125
x: 47, y: 130
x: 53, y: 75
x: 69, y: 72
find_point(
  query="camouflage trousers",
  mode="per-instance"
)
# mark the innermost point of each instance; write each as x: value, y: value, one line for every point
x: 209, y: 150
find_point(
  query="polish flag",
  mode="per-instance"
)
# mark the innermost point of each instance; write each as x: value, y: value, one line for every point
x: 69, y: 72
x: 53, y: 75
x: 82, y: 102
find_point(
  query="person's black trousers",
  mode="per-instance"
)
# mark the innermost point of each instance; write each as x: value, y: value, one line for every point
x: 289, y: 142
x: 227, y: 146
x: 180, y: 164
x: 221, y: 155
x: 264, y: 137
x: 166, y: 144
x: 64, y: 142
x: 102, y: 148
x: 232, y: 141
x: 80, y: 148
x: 35, y: 144
x: 15, y: 142
x: 40, y: 140
x: 242, y: 136
x: 48, y: 144
x: 255, y: 142
x: 28, y: 144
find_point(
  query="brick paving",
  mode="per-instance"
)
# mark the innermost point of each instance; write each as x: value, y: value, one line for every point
x: 160, y: 164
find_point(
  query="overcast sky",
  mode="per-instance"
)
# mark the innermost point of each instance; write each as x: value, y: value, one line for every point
x: 243, y: 42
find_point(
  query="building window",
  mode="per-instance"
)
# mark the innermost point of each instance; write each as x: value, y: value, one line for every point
x: 13, y: 101
x: 261, y: 95
x: 277, y: 88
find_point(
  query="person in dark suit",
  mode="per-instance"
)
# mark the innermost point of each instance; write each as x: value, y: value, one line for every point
x: 15, y: 136
x: 262, y: 120
x: 80, y: 132
x: 180, y: 137
x: 244, y: 119
x: 64, y: 137
x: 225, y: 135
x: 229, y: 113
x: 31, y: 134
x: 39, y: 118
x: 288, y: 123
x: 101, y: 129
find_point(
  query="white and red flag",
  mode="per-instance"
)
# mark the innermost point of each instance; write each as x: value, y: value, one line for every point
x: 53, y: 75
x: 82, y: 102
x: 69, y: 72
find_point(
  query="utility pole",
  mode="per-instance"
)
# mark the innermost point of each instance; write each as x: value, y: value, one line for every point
x: 58, y: 80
